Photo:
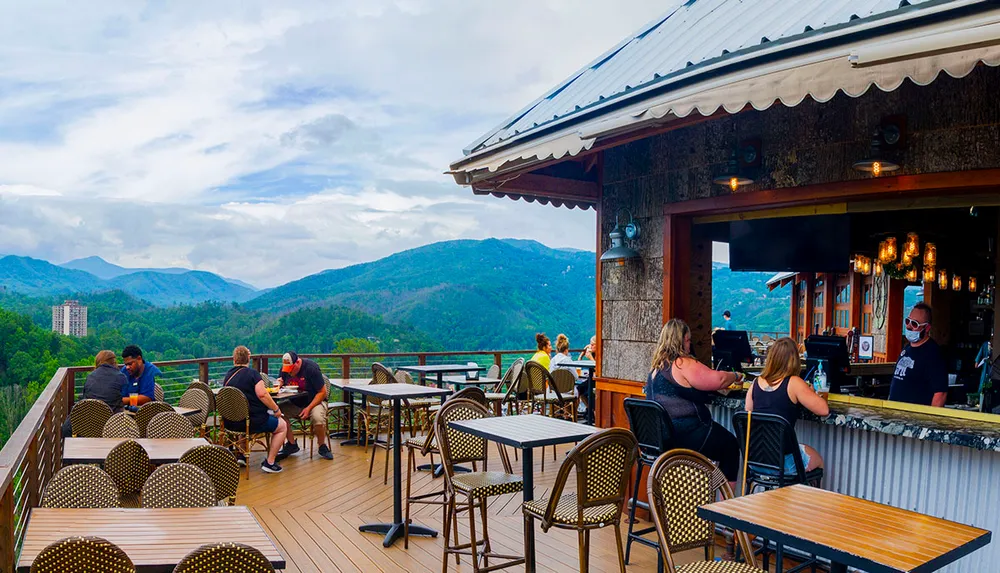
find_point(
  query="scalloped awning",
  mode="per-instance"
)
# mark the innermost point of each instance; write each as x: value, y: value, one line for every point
x: 954, y: 47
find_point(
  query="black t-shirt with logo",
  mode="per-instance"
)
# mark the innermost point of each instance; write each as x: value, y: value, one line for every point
x: 245, y: 379
x: 920, y: 373
x: 309, y: 379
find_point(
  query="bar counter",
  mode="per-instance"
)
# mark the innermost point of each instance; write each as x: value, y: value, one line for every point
x: 945, y: 425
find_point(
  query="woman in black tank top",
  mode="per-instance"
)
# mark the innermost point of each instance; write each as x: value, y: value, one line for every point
x: 683, y: 386
x: 779, y: 390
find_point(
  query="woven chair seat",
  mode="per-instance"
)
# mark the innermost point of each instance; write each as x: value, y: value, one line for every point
x: 552, y: 396
x: 717, y: 567
x: 131, y: 500
x: 424, y: 402
x: 487, y: 484
x: 566, y: 511
x: 496, y: 396
x: 337, y: 405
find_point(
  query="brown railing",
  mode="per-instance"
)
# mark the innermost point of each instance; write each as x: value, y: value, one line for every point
x: 34, y: 451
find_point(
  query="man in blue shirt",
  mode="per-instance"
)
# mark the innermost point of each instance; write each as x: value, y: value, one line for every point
x: 140, y: 375
x: 727, y: 320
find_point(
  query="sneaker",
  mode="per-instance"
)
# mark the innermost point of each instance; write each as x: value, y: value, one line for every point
x: 287, y: 450
x: 270, y: 468
x: 241, y: 459
x: 325, y: 453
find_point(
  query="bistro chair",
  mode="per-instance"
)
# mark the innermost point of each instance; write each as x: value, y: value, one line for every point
x: 494, y: 371
x: 121, y: 425
x: 427, y: 446
x: 146, y: 413
x: 474, y: 488
x: 561, y: 397
x: 79, y: 554
x: 679, y: 482
x: 337, y: 411
x: 602, y: 463
x: 505, y: 392
x: 211, y: 401
x: 80, y: 486
x: 158, y: 392
x: 88, y: 417
x: 220, y: 465
x: 477, y: 395
x: 195, y: 398
x: 771, y: 439
x: 653, y: 431
x: 169, y: 425
x: 422, y: 408
x: 129, y: 467
x: 539, y: 381
x: 228, y: 556
x: 178, y: 485
x: 232, y: 405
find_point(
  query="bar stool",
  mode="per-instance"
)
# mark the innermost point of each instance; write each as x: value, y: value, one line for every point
x: 651, y: 426
x: 771, y: 439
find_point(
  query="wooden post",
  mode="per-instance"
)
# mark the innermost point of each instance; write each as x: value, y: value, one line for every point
x: 422, y: 359
x: 894, y: 320
x: 263, y: 364
x: 8, y: 550
x: 203, y: 372
x: 498, y: 360
x: 829, y: 295
x: 345, y: 367
x: 31, y: 475
x: 810, y: 298
x: 676, y: 267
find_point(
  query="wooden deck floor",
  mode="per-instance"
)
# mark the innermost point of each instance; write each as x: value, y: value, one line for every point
x: 313, y: 510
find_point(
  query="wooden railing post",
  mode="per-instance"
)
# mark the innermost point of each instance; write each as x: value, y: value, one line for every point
x: 498, y: 359
x: 345, y: 367
x: 203, y: 372
x: 8, y: 550
x: 263, y: 364
x: 422, y: 359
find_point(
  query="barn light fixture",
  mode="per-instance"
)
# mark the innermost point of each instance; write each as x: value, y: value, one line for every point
x: 619, y: 251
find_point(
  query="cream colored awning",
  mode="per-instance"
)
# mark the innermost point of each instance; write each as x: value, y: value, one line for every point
x: 954, y: 47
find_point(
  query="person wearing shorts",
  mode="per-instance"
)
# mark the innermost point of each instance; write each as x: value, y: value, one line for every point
x: 307, y: 375
x: 259, y: 404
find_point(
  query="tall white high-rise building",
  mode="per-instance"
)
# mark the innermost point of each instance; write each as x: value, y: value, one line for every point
x: 70, y: 318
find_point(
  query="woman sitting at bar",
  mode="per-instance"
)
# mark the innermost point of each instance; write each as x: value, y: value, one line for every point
x: 779, y: 390
x: 683, y: 386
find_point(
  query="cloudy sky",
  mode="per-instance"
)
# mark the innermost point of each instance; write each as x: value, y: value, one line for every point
x: 269, y: 140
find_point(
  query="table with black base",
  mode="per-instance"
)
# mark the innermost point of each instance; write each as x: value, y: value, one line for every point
x: 352, y: 438
x: 526, y: 432
x: 848, y: 531
x: 396, y: 393
x: 589, y: 366
x: 439, y: 370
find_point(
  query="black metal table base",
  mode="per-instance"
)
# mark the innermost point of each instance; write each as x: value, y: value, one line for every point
x: 394, y: 531
x: 439, y: 469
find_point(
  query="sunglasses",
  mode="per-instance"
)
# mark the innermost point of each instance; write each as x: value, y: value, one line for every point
x: 912, y: 324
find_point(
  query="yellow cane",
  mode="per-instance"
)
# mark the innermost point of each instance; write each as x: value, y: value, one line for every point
x: 746, y: 456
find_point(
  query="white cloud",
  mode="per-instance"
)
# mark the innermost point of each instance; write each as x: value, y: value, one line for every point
x: 232, y: 135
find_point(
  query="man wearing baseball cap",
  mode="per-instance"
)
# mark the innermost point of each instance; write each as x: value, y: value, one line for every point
x: 307, y: 375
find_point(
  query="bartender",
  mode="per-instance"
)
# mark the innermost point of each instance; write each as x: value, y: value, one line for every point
x: 920, y: 376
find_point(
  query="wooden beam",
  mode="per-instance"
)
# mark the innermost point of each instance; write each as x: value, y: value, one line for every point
x: 545, y: 186
x: 808, y: 210
x: 903, y: 186
x: 598, y: 288
x: 676, y: 267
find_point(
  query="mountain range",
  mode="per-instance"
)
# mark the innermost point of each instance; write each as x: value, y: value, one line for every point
x: 36, y: 277
x: 464, y: 294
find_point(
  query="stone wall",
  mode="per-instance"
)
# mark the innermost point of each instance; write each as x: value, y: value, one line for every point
x: 951, y: 125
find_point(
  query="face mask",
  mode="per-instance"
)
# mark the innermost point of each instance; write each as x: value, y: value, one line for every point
x: 914, y: 336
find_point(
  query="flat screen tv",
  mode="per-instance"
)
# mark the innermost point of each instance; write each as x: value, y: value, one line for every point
x: 815, y: 244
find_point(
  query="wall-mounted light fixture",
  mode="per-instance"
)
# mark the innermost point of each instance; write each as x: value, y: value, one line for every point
x: 744, y: 162
x: 885, y: 139
x: 619, y: 251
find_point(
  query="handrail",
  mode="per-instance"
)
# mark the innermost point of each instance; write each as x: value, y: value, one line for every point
x: 34, y: 451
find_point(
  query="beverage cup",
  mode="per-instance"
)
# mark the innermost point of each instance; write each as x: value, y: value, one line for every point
x: 133, y: 399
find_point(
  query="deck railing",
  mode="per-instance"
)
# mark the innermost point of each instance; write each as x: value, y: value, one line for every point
x: 34, y: 451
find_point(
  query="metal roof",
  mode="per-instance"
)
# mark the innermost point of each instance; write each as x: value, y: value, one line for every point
x: 698, y: 33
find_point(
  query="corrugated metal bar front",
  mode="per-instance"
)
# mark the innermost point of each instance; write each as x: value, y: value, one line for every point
x: 950, y: 482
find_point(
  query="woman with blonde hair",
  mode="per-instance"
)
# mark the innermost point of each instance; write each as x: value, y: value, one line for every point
x: 683, y: 386
x: 562, y: 355
x: 779, y: 390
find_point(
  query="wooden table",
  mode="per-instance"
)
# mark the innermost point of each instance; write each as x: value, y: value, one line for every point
x: 94, y: 450
x: 352, y: 439
x: 396, y: 393
x: 526, y: 432
x: 154, y: 539
x: 848, y: 531
x: 440, y: 370
x: 186, y: 411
